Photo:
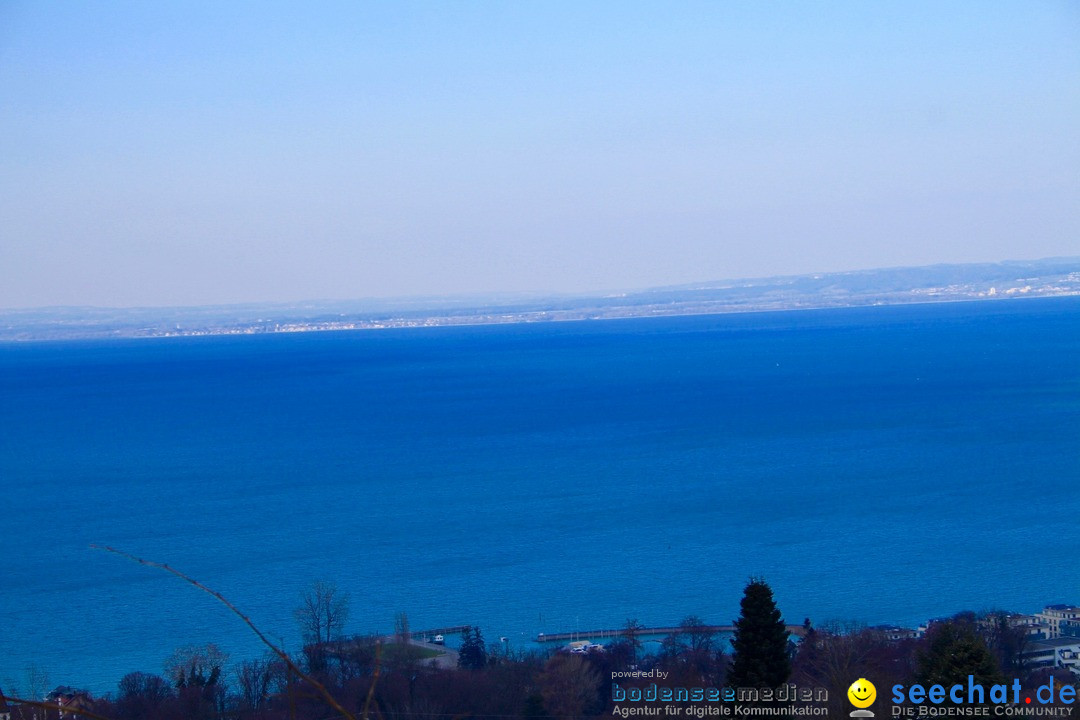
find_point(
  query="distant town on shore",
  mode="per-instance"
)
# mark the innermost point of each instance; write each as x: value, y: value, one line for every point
x: 1052, y: 277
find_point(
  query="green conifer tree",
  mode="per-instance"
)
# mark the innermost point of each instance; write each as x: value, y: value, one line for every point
x: 473, y: 654
x: 761, y: 641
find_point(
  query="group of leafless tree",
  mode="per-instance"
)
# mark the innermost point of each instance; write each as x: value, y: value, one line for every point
x: 389, y: 678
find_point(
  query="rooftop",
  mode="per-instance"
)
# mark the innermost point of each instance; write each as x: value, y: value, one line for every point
x: 1055, y: 642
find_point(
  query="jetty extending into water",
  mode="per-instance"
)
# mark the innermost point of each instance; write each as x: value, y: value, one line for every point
x: 642, y: 632
x: 453, y: 630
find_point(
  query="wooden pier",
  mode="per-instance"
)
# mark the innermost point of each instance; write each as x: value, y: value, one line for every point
x: 455, y: 630
x: 645, y: 632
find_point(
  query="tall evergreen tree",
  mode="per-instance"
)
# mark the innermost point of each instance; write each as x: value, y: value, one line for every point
x: 760, y: 642
x: 472, y: 655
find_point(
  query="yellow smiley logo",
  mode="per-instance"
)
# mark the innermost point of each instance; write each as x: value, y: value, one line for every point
x: 862, y: 693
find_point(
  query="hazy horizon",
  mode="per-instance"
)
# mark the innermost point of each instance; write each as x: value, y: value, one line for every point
x: 388, y: 302
x: 212, y: 154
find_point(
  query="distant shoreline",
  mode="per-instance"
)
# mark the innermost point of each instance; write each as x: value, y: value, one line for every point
x: 458, y: 321
x: 871, y: 288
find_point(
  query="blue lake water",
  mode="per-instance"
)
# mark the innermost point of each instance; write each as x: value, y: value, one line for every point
x: 880, y: 464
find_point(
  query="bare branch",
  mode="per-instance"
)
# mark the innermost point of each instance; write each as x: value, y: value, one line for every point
x: 374, y: 678
x: 247, y: 621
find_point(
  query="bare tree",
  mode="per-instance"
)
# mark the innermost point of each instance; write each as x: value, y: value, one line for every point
x: 197, y: 673
x: 631, y: 633
x: 698, y: 637
x: 196, y: 665
x: 1008, y: 637
x: 254, y: 680
x: 322, y: 612
x: 143, y: 695
x: 401, y: 629
x: 37, y: 681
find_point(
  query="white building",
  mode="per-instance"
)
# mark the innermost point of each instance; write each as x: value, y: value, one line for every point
x: 1062, y: 652
x: 1061, y: 620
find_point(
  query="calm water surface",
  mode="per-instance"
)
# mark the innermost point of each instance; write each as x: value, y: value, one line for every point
x: 879, y: 464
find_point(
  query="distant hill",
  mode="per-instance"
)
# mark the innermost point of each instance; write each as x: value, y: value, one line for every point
x: 887, y: 286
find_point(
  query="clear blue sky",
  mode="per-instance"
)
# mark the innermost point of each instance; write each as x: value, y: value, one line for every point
x: 210, y: 152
